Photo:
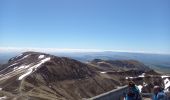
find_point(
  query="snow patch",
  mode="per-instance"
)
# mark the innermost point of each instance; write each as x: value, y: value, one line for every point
x: 140, y: 87
x: 103, y: 72
x: 131, y: 77
x: 19, y: 55
x: 10, y: 66
x: 41, y: 56
x: 165, y: 76
x: 118, y: 87
x: 101, y: 62
x: 42, y: 61
x: 22, y: 57
x: 13, y: 64
x: 167, y: 84
x: 0, y: 89
x: 15, y: 68
x: 31, y: 69
x: 3, y: 98
x: 26, y: 74
x: 23, y: 67
x: 143, y: 75
x: 25, y: 57
x: 144, y: 84
x: 140, y: 76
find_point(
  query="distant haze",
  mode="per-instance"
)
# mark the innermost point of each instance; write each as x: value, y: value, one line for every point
x: 156, y: 61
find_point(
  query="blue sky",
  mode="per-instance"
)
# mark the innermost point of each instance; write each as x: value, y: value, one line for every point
x: 125, y: 25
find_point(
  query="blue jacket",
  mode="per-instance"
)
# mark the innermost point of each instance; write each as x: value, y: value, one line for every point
x: 160, y: 96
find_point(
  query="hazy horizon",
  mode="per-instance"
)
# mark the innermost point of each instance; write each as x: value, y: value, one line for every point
x: 68, y: 50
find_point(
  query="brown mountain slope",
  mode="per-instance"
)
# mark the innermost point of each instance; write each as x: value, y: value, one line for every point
x: 121, y: 65
x: 38, y: 76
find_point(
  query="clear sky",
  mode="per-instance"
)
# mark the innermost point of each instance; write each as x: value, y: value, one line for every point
x: 126, y: 25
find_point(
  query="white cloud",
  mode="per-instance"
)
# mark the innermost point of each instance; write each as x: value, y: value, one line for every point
x: 24, y: 49
x: 14, y: 49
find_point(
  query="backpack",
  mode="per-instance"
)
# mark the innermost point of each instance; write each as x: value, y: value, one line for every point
x: 134, y: 94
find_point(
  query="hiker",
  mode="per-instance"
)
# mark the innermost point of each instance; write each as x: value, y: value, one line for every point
x: 133, y: 92
x: 159, y: 93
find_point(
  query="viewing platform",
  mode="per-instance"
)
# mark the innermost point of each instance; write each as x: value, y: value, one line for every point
x: 119, y: 93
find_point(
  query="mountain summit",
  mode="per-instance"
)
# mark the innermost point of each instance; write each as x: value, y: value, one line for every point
x: 39, y: 76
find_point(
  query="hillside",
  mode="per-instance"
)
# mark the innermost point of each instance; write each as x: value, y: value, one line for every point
x: 39, y: 76
x: 120, y: 65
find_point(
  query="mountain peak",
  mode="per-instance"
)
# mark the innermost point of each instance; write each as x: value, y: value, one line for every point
x: 41, y: 76
x: 32, y: 72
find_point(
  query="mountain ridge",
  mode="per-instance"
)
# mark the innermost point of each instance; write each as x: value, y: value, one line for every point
x: 28, y: 74
x: 121, y: 65
x: 40, y: 76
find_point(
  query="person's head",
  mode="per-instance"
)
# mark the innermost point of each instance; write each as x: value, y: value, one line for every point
x: 156, y: 89
x: 131, y: 84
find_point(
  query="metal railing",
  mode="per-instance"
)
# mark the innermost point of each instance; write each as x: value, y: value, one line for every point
x: 116, y: 94
x: 119, y: 93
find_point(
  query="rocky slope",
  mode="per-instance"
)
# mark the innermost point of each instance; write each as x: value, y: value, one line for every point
x: 131, y: 70
x: 39, y: 76
x: 121, y: 65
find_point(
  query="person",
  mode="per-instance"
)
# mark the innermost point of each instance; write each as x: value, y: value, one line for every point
x: 159, y: 94
x: 133, y: 92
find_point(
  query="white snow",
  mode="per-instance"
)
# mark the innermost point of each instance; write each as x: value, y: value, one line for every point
x: 129, y: 78
x: 140, y: 87
x: 15, y: 68
x: 144, y: 84
x: 3, y: 98
x: 41, y: 56
x: 26, y: 74
x: 167, y: 84
x: 0, y: 89
x: 165, y: 76
x: 118, y: 87
x: 103, y: 72
x: 10, y: 66
x: 23, y: 67
x: 19, y: 55
x: 42, y: 61
x: 24, y: 57
x: 13, y: 64
x: 143, y: 75
x: 31, y: 69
